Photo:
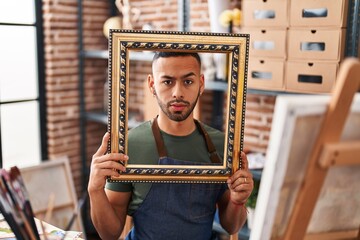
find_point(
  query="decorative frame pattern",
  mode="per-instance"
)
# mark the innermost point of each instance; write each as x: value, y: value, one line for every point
x: 235, y: 45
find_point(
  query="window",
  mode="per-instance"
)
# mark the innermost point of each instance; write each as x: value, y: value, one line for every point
x: 22, y: 94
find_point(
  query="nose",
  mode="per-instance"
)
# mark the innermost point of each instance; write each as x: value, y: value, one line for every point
x: 178, y: 91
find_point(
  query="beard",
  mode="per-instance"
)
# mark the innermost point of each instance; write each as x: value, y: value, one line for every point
x: 177, y: 116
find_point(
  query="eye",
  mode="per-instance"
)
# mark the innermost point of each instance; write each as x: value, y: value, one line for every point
x: 167, y: 82
x: 188, y: 82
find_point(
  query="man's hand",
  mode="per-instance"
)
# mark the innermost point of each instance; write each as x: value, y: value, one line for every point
x: 241, y: 183
x: 104, y: 165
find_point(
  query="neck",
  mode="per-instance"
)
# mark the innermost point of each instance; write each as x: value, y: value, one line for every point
x: 182, y: 128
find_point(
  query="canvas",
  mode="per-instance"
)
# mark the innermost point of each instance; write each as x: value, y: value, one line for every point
x: 296, y: 123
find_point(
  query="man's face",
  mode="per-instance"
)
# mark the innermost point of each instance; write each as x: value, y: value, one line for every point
x: 177, y: 84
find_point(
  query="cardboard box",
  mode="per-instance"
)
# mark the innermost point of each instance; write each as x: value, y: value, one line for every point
x: 266, y: 74
x: 319, y: 13
x: 259, y: 13
x: 310, y: 77
x: 316, y: 44
x: 267, y: 42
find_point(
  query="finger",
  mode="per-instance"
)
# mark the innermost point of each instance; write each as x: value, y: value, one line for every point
x: 243, y: 182
x: 239, y: 181
x: 233, y: 178
x: 112, y: 165
x: 243, y: 188
x: 105, y: 161
x: 105, y: 172
x: 240, y: 174
x: 103, y: 147
x: 244, y: 160
x: 237, y: 187
x: 116, y: 157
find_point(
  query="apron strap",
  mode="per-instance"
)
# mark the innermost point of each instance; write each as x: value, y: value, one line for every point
x: 158, y: 138
x: 161, y: 147
x: 209, y: 144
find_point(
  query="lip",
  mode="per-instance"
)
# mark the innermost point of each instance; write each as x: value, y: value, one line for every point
x: 178, y: 107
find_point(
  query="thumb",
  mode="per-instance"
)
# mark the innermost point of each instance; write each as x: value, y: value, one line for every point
x: 245, y: 163
x: 104, y: 144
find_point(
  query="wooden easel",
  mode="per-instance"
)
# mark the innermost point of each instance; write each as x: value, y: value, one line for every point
x: 328, y: 152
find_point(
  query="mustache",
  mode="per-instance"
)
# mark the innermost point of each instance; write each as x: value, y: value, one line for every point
x: 178, y: 101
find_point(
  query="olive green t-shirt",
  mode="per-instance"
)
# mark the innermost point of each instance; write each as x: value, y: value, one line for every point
x: 142, y: 150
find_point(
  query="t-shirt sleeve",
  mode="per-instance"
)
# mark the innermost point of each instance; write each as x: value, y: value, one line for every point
x: 118, y: 186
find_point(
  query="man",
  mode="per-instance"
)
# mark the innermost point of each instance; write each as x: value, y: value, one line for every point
x: 160, y: 210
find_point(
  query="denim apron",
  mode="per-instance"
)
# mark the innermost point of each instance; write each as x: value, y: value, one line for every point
x: 174, y: 211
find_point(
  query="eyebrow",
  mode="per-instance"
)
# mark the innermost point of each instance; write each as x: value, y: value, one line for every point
x: 182, y: 77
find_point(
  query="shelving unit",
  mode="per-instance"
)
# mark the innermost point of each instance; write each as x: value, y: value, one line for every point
x: 99, y: 117
x: 85, y: 116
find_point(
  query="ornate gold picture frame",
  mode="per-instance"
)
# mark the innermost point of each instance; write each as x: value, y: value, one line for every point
x: 235, y: 46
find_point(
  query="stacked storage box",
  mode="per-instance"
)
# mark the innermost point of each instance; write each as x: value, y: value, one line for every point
x: 295, y: 45
x: 316, y: 44
x: 267, y: 23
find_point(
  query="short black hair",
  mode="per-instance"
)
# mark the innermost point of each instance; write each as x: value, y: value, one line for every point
x: 165, y: 54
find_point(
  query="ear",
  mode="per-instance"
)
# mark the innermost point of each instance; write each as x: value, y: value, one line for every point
x: 150, y: 81
x: 202, y: 83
